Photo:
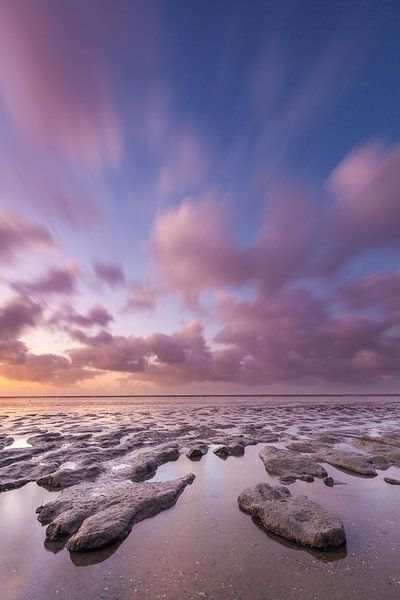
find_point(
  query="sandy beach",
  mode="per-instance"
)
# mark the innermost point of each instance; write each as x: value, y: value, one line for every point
x: 141, y: 500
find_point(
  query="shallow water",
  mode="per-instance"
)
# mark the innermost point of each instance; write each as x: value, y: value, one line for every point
x: 205, y: 547
x: 122, y: 404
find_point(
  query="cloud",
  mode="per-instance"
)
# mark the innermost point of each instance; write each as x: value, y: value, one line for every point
x: 296, y: 336
x: 289, y: 337
x: 192, y: 250
x: 377, y: 291
x: 141, y: 298
x: 109, y: 273
x: 17, y: 234
x: 54, y: 78
x: 303, y: 235
x: 16, y: 362
x: 366, y: 207
x: 18, y: 315
x: 147, y: 357
x: 68, y: 317
x: 55, y: 281
x: 51, y: 369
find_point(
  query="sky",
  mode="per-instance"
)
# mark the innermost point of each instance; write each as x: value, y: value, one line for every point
x: 199, y: 196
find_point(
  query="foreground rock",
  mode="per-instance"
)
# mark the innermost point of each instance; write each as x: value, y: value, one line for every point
x: 63, y: 478
x: 95, y: 516
x: 295, y: 518
x: 144, y: 464
x: 290, y: 463
x: 348, y: 460
x: 18, y: 474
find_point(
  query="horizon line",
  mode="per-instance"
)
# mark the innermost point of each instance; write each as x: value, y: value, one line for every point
x: 268, y: 395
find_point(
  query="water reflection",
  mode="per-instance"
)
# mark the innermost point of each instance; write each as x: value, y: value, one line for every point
x: 326, y: 556
x: 84, y: 559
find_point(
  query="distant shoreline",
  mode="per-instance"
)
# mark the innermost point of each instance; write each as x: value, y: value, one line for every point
x: 339, y: 395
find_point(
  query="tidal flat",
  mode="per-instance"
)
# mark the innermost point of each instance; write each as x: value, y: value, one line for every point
x: 158, y: 498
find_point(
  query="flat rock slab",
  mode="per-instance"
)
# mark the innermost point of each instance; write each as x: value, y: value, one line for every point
x: 95, y: 516
x: 350, y: 461
x: 144, y: 464
x: 301, y: 447
x: 285, y: 463
x: 63, y: 478
x: 296, y: 518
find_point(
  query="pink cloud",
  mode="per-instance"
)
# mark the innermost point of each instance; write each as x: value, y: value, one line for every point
x: 110, y: 273
x: 67, y: 316
x: 296, y: 336
x: 375, y: 291
x: 142, y: 297
x: 51, y: 369
x: 293, y: 338
x: 55, y: 281
x: 54, y: 81
x: 16, y: 362
x: 16, y: 316
x: 366, y: 208
x: 299, y: 237
x: 17, y: 234
x: 192, y: 251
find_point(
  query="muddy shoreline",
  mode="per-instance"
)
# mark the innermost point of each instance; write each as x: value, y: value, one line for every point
x: 194, y: 541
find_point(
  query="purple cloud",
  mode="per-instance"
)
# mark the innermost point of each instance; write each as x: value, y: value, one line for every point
x: 55, y: 281
x: 51, y: 369
x: 109, y: 273
x: 17, y: 234
x: 300, y: 237
x: 67, y: 317
x: 18, y: 315
x: 142, y: 297
x: 56, y: 92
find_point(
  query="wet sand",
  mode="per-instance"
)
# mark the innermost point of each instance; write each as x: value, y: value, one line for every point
x: 204, y: 546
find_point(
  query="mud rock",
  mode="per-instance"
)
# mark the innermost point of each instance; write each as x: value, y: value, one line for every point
x: 306, y: 478
x: 196, y: 451
x: 329, y: 481
x: 44, y: 438
x: 5, y: 440
x: 383, y: 450
x: 295, y: 518
x: 279, y: 461
x: 146, y: 463
x: 66, y: 477
x: 16, y: 475
x: 95, y: 516
x: 300, y: 446
x: 236, y: 440
x: 14, y: 455
x: 392, y: 481
x: 233, y: 450
x: 347, y: 460
x: 287, y: 480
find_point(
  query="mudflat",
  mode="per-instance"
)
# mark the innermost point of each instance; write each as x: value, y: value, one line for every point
x: 209, y: 498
